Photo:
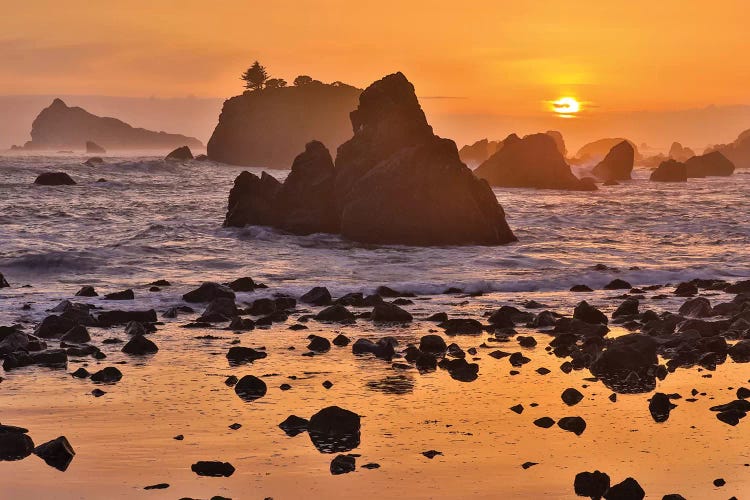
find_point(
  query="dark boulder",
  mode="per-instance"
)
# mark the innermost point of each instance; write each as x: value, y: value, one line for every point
x: 245, y: 284
x: 670, y: 171
x: 461, y: 326
x: 334, y: 429
x: 629, y: 307
x: 123, y: 295
x: 54, y: 179
x: 335, y: 314
x: 626, y: 355
x: 576, y: 425
x: 207, y: 292
x: 590, y: 314
x: 54, y: 326
x: 57, y: 453
x: 740, y: 352
x: 628, y: 489
x: 709, y: 164
x: 343, y: 464
x: 305, y: 203
x: 433, y: 344
x: 239, y: 354
x: 249, y: 388
x: 618, y: 164
x: 15, y: 444
x: 319, y: 344
x: 686, y: 289
x: 341, y: 340
x: 571, y: 396
x: 383, y: 348
x: 618, y: 284
x: 110, y: 374
x: 591, y: 484
x: 531, y: 162
x: 699, y: 307
x: 318, y: 296
x: 182, y: 153
x: 660, y: 406
x: 76, y: 335
x: 252, y: 200
x: 86, y: 291
x: 212, y: 468
x: 3, y: 281
x: 111, y: 318
x: 390, y: 313
x: 294, y: 425
x: 140, y: 345
x: 218, y: 310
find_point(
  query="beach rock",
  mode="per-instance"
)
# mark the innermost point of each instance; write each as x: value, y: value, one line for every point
x: 87, y: 291
x: 305, y: 203
x: 212, y: 468
x: 334, y: 429
x: 15, y: 444
x: 182, y: 153
x: 207, y: 292
x: 54, y: 179
x: 249, y: 388
x: 110, y: 374
x: 335, y: 314
x: 595, y: 151
x: 629, y: 307
x: 660, y: 406
x: 571, y: 396
x: 219, y: 309
x: 461, y: 326
x: 590, y: 314
x: 252, y: 200
x: 433, y: 344
x: 460, y: 369
x: 57, y: 453
x: 342, y: 464
x: 708, y: 165
x: 341, y: 340
x: 319, y: 344
x: 123, y: 295
x: 629, y: 489
x: 318, y: 296
x: 294, y: 425
x: 679, y: 152
x: 626, y: 355
x: 618, y: 284
x: 111, y: 318
x: 699, y: 307
x: 268, y: 128
x: 670, y: 171
x: 544, y: 422
x: 531, y: 162
x: 245, y: 284
x: 738, y: 152
x: 81, y: 373
x: 617, y: 165
x: 59, y: 127
x: 390, y: 313
x: 686, y: 289
x: 398, y: 183
x: 475, y: 154
x: 383, y: 349
x: 76, y: 335
x: 575, y: 425
x: 3, y: 282
x: 581, y: 288
x: 139, y: 345
x: 591, y: 484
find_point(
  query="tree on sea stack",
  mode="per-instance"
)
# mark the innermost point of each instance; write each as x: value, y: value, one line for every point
x: 255, y: 77
x: 275, y: 83
x: 302, y: 80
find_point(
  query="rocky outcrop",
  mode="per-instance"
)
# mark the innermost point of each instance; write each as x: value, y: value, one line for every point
x: 393, y: 182
x: 679, y: 153
x: 709, y: 164
x: 269, y: 127
x: 670, y: 171
x: 559, y: 141
x: 595, y: 152
x: 61, y: 127
x: 738, y: 152
x: 94, y: 148
x: 531, y: 162
x: 54, y: 179
x: 475, y: 154
x: 617, y: 165
x: 182, y: 153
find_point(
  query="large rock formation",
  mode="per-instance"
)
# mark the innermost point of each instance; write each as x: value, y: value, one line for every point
x: 61, y: 127
x: 594, y: 152
x: 531, y: 162
x: 393, y: 182
x: 475, y: 154
x: 709, y: 164
x: 670, y: 171
x: 269, y: 127
x: 679, y: 153
x: 617, y: 165
x: 738, y: 152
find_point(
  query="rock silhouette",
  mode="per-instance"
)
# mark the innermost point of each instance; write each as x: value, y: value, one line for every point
x: 709, y: 164
x: 670, y: 171
x: 738, y: 152
x: 268, y: 128
x: 531, y: 162
x: 617, y: 165
x: 475, y: 154
x: 394, y: 182
x: 54, y: 179
x: 61, y: 127
x: 679, y: 153
x: 595, y: 151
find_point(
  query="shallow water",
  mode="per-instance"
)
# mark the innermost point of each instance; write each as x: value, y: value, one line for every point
x: 155, y: 220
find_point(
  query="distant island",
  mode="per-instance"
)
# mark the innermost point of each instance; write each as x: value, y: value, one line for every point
x: 60, y: 126
x: 270, y: 123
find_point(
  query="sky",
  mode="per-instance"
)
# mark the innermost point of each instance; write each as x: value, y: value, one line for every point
x: 467, y: 58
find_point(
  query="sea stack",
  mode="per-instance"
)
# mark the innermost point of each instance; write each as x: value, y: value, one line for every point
x: 708, y: 165
x: 532, y: 162
x: 393, y: 182
x: 618, y: 164
x: 670, y: 171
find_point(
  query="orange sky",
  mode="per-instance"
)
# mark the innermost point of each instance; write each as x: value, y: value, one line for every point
x: 492, y: 56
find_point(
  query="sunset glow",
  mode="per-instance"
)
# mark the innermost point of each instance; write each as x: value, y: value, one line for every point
x: 566, y: 106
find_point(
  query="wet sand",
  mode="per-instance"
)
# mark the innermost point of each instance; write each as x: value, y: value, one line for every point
x: 124, y: 439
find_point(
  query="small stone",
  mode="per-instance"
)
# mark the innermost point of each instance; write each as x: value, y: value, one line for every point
x: 431, y: 453
x: 343, y: 464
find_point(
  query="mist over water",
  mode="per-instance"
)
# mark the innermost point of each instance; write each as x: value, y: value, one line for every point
x: 154, y: 219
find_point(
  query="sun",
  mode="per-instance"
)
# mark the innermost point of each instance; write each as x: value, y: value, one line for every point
x: 566, y: 106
